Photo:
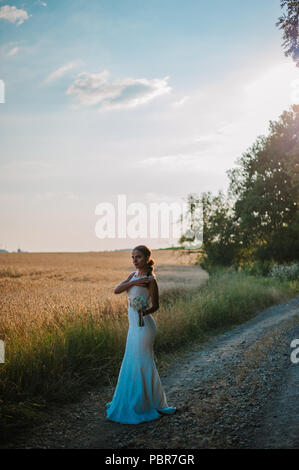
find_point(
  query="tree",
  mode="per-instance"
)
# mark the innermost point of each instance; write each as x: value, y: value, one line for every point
x: 220, y: 232
x: 265, y: 186
x: 259, y: 218
x: 193, y: 218
x: 288, y: 22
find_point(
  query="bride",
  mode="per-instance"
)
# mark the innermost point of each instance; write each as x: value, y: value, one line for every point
x: 139, y: 395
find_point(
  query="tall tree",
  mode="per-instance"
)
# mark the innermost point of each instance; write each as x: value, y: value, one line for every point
x: 220, y: 231
x: 266, y: 189
x: 288, y: 22
x: 192, y: 217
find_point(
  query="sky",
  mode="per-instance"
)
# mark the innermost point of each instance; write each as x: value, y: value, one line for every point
x: 146, y: 101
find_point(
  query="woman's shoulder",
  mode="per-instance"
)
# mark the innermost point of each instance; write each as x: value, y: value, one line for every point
x: 131, y: 275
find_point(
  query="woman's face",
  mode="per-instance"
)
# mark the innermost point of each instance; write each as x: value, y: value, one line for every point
x: 139, y: 259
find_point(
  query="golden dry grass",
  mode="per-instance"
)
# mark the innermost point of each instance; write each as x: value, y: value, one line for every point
x: 39, y: 289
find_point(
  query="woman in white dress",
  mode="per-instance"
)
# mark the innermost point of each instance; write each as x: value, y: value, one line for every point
x: 139, y: 395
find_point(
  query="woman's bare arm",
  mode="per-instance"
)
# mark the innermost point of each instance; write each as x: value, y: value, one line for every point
x: 124, y: 285
x: 143, y: 282
x: 154, y: 295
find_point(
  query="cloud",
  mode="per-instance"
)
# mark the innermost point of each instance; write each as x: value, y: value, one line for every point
x: 61, y: 71
x: 13, y: 14
x: 95, y: 89
x: 168, y: 162
x: 13, y: 51
x: 182, y: 101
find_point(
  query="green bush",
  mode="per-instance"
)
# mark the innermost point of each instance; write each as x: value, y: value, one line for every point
x: 257, y: 268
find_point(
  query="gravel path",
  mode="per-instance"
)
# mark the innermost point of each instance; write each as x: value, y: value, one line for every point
x: 238, y: 390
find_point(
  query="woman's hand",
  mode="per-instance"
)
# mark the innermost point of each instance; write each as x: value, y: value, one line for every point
x: 143, y: 282
x: 125, y: 285
x: 140, y: 318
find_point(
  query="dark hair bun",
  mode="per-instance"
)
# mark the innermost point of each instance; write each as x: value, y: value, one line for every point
x: 150, y: 268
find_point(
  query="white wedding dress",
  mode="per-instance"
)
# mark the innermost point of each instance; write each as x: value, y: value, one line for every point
x: 139, y: 395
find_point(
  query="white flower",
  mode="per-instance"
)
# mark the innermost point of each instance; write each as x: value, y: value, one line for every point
x: 286, y: 272
x: 139, y: 303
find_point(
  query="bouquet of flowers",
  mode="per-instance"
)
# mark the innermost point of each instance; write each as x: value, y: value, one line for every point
x: 139, y: 303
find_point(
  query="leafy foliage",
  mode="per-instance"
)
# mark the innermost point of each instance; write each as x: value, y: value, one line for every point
x: 288, y: 22
x: 258, y: 220
x: 266, y: 188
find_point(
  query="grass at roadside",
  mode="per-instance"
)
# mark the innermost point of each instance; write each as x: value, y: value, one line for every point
x: 226, y: 299
x: 58, y: 362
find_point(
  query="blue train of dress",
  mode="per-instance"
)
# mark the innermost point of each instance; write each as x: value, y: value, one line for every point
x: 139, y: 395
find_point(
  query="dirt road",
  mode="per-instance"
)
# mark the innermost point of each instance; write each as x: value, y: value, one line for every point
x: 238, y: 390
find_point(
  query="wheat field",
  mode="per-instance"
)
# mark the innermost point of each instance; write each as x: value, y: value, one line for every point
x: 37, y: 289
x: 64, y: 328
x: 62, y: 324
